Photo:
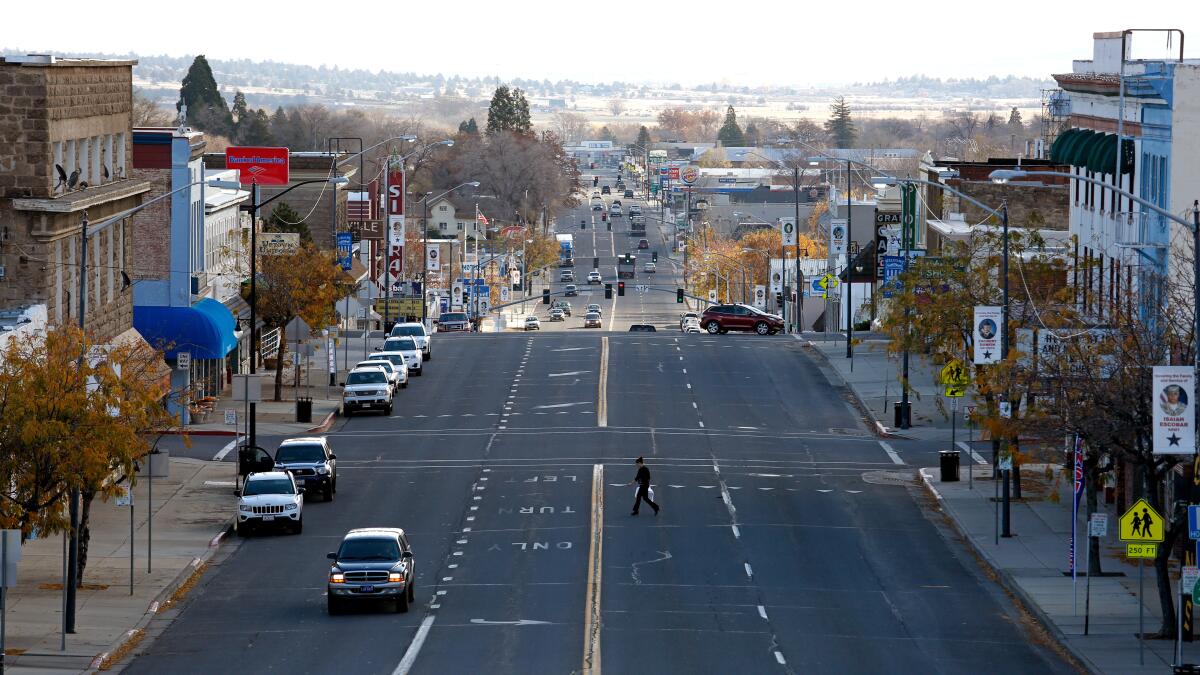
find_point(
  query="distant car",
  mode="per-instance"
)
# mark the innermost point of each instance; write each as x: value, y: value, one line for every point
x: 642, y: 328
x: 643, y: 244
x: 532, y: 323
x: 566, y: 275
x: 591, y: 320
x: 367, y: 389
x: 616, y: 202
x: 650, y: 268
x: 597, y: 207
x: 629, y: 195
x: 371, y: 565
x: 615, y: 210
x: 683, y: 318
x: 620, y: 185
x: 270, y: 498
x: 595, y: 194
x: 593, y: 307
x: 691, y: 325
x: 594, y: 277
x: 738, y: 317
x: 635, y: 210
x: 398, y: 377
x: 412, y: 353
x: 604, y: 190
x: 571, y: 290
x: 453, y: 321
x: 311, y: 462
x: 415, y: 330
x: 556, y: 314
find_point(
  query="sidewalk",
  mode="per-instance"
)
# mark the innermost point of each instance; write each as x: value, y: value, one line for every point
x: 192, y: 509
x: 1031, y: 565
x: 874, y: 376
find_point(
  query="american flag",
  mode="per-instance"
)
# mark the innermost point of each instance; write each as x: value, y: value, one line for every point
x: 480, y: 217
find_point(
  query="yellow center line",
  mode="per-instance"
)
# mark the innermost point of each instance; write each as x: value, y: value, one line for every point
x: 591, y: 630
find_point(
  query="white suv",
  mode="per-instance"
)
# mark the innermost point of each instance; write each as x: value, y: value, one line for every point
x: 416, y: 331
x: 408, y: 347
x: 398, y: 377
x: 367, y: 389
x: 270, y: 498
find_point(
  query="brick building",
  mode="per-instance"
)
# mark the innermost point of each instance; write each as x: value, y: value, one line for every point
x: 65, y: 154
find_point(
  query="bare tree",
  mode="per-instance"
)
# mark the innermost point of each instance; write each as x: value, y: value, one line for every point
x: 148, y: 113
x: 569, y: 126
x: 616, y: 106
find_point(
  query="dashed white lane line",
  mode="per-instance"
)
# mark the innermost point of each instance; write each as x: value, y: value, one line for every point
x: 762, y: 611
x: 695, y: 406
x: 749, y: 570
x: 737, y: 534
x: 414, y: 648
x: 701, y: 423
x: 970, y: 451
x: 780, y: 659
x: 891, y: 452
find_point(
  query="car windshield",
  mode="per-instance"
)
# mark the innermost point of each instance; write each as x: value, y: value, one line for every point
x: 592, y: 315
x: 300, y: 452
x: 416, y: 331
x: 395, y: 359
x: 453, y: 316
x: 386, y: 365
x: 268, y: 486
x: 369, y: 549
x: 400, y: 344
x: 366, y: 377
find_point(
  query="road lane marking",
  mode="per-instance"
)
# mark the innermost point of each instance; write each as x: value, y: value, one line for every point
x: 749, y: 570
x: 602, y: 391
x: 974, y: 455
x: 779, y: 658
x: 762, y: 611
x: 560, y: 405
x: 737, y: 534
x: 591, y: 629
x: 573, y: 372
x: 410, y: 656
x: 891, y: 453
x: 225, y: 450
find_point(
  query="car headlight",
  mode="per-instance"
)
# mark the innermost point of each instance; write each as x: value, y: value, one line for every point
x: 337, y: 578
x: 289, y: 507
x: 322, y: 469
x: 245, y: 508
x: 395, y: 577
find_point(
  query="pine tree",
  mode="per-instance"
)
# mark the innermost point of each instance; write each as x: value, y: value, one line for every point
x: 730, y: 134
x: 752, y: 135
x: 509, y: 111
x: 643, y: 138
x: 240, y: 109
x: 840, y: 125
x: 286, y: 219
x: 254, y: 129
x: 606, y: 134
x: 1015, y: 123
x: 206, y: 108
x: 468, y: 127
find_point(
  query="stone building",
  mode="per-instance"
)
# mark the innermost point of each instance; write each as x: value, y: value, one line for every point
x: 65, y: 154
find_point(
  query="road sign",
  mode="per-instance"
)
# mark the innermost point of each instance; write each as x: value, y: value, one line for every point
x: 231, y: 417
x: 641, y: 288
x: 956, y: 373
x: 1141, y: 523
x: 1189, y: 575
x: 1194, y: 521
x: 969, y: 413
x: 1149, y: 551
x: 827, y: 282
x: 183, y: 360
x: 1098, y: 525
x: 955, y: 390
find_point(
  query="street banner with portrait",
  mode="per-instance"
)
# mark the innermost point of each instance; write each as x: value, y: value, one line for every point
x: 1173, y: 389
x: 837, y: 236
x: 433, y: 257
x: 987, y: 324
x: 787, y: 229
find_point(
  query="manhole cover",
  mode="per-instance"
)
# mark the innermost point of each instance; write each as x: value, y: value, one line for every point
x: 890, y: 477
x: 843, y: 431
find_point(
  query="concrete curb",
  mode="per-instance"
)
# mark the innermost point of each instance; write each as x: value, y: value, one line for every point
x: 165, y: 594
x: 877, y: 427
x: 324, y: 426
x: 1010, y: 584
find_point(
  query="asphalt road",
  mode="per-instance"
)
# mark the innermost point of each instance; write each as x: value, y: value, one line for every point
x: 789, y: 540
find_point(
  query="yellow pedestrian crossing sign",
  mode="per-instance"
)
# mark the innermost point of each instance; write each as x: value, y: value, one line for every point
x: 1141, y: 523
x: 956, y: 373
x: 955, y: 391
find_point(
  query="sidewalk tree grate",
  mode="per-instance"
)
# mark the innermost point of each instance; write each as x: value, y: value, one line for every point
x: 890, y: 477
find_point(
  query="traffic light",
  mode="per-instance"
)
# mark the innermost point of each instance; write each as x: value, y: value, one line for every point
x: 621, y: 288
x: 654, y: 256
x: 779, y: 299
x: 608, y: 291
x: 604, y: 217
x: 595, y: 181
x: 583, y: 224
x: 466, y: 298
x: 545, y: 296
x: 595, y: 263
x: 609, y: 226
x: 679, y: 295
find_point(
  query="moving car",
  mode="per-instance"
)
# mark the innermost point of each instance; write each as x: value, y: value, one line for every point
x: 371, y: 565
x: 268, y: 499
x: 642, y: 328
x: 556, y: 314
x: 594, y: 277
x: 690, y: 325
x: 566, y: 275
x: 397, y: 377
x: 367, y: 389
x: 591, y: 320
x: 604, y: 190
x: 650, y: 268
x: 532, y: 323
x: 597, y: 206
x: 412, y: 353
x: 415, y: 330
x: 616, y: 202
x: 571, y: 290
x: 739, y: 317
x: 629, y: 194
x: 563, y: 305
x: 615, y: 210
x: 688, y: 315
x: 453, y: 321
x: 594, y: 307
x: 311, y: 463
x: 643, y: 244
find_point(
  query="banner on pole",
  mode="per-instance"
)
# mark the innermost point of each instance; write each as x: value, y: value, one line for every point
x: 987, y: 334
x: 1174, y: 391
x: 433, y: 257
x: 787, y: 227
x: 837, y: 236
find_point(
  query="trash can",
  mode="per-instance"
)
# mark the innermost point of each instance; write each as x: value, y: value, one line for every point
x: 303, y: 409
x: 902, y: 414
x: 948, y: 460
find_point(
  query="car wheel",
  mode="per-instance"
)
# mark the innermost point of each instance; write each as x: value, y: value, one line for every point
x: 333, y: 605
x: 388, y: 410
x: 405, y: 385
x: 412, y: 591
x: 347, y: 413
x: 712, y: 327
x: 762, y: 328
x: 335, y: 485
x: 402, y: 603
x: 241, y: 530
x: 426, y: 357
x: 299, y: 527
x: 420, y: 372
x: 327, y: 493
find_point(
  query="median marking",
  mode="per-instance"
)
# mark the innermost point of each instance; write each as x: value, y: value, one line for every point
x: 410, y: 656
x: 891, y: 453
x: 602, y: 392
x: 591, y: 622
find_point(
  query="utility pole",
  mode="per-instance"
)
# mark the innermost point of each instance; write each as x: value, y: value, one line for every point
x: 73, y: 542
x: 849, y: 269
x: 796, y: 281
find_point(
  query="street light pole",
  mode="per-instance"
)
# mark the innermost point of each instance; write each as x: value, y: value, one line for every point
x: 849, y: 281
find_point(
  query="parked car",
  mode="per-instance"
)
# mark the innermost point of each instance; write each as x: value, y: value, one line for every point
x: 367, y: 389
x: 556, y: 314
x: 643, y: 244
x: 397, y: 377
x: 591, y: 320
x: 629, y: 194
x: 311, y: 463
x: 453, y: 321
x: 415, y: 330
x: 738, y: 317
x: 594, y: 277
x: 594, y: 307
x: 650, y: 268
x: 408, y: 347
x: 270, y: 499
x: 571, y: 290
x: 395, y: 358
x: 371, y: 565
x: 532, y: 323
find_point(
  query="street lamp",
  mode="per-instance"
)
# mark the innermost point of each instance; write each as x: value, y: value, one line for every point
x: 425, y: 238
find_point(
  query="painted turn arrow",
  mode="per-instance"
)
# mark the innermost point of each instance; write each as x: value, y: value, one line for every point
x: 518, y: 622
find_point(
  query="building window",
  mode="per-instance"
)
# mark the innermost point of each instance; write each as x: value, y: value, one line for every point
x: 441, y: 226
x: 460, y: 225
x: 442, y: 207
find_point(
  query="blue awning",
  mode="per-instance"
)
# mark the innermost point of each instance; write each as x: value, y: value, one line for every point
x: 205, y: 329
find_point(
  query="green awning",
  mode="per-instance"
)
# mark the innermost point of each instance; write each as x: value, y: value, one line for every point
x: 1102, y: 157
x: 1058, y: 149
x: 1087, y: 155
x: 1075, y: 151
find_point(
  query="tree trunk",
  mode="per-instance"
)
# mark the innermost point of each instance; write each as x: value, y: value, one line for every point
x: 85, y: 533
x: 279, y: 356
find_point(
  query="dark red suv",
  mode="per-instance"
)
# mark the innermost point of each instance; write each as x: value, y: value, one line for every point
x: 724, y: 318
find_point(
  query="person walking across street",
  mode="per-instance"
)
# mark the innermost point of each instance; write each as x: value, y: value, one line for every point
x: 643, y: 490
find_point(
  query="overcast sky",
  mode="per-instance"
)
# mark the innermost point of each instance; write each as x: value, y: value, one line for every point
x: 771, y: 42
